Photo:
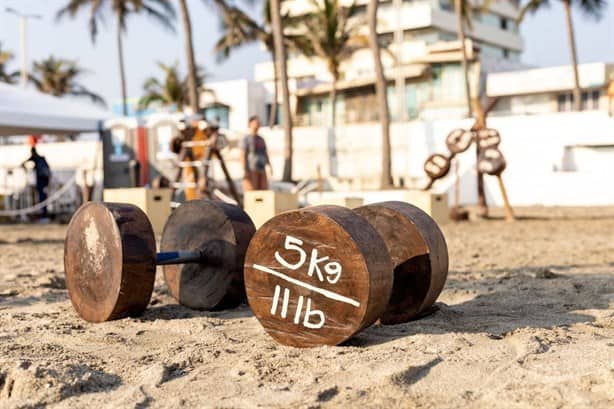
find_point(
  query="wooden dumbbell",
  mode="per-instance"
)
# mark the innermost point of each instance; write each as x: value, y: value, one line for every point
x: 319, y: 275
x: 110, y: 257
x: 491, y: 161
x: 459, y: 140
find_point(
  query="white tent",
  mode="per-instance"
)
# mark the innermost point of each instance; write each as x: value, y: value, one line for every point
x: 25, y: 112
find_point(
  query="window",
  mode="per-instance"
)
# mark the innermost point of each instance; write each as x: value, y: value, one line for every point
x: 596, y: 95
x: 269, y: 108
x: 564, y: 102
x: 446, y: 5
x: 590, y: 100
x: 385, y: 39
x: 506, y: 53
x: 503, y: 23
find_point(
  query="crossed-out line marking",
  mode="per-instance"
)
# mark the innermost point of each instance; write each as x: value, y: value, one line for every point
x: 326, y: 293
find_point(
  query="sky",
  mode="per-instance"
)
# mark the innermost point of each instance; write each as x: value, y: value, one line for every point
x: 145, y: 43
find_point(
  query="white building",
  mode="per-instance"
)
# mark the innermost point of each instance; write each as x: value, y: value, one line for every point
x: 231, y: 103
x: 548, y: 90
x: 422, y: 61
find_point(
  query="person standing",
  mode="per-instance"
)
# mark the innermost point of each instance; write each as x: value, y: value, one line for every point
x: 255, y: 158
x: 43, y: 175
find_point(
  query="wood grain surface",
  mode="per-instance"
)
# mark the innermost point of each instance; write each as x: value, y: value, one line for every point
x: 222, y: 231
x: 317, y: 276
x: 109, y: 261
x: 419, y: 254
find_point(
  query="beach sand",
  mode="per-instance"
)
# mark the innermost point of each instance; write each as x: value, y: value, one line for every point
x: 526, y: 320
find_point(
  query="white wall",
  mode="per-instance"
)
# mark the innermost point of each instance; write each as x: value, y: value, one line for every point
x: 534, y: 147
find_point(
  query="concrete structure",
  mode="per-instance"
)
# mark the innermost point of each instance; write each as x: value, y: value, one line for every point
x: 422, y: 62
x: 548, y: 90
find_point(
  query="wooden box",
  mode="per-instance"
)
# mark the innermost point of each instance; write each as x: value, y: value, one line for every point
x: 262, y: 205
x: 156, y: 203
x: 434, y: 204
x: 316, y: 199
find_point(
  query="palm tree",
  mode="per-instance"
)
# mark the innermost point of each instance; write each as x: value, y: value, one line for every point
x: 161, y: 11
x: 239, y: 29
x: 463, y: 17
x: 592, y: 8
x: 380, y: 91
x: 333, y: 38
x: 58, y: 77
x: 172, y: 90
x: 282, y: 70
x: 189, y: 50
x: 5, y: 57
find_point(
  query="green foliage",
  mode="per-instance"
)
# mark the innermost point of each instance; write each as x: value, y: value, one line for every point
x: 239, y: 29
x: 591, y: 8
x: 161, y: 11
x: 171, y: 90
x: 58, y: 77
x: 5, y: 58
x: 334, y: 32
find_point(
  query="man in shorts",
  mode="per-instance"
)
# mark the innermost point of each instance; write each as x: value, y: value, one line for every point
x: 255, y: 158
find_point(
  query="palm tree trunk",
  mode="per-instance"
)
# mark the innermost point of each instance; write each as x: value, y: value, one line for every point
x: 380, y: 91
x: 577, y: 91
x: 333, y: 102
x: 189, y: 49
x: 122, y: 69
x: 273, y: 113
x: 461, y: 37
x: 280, y: 63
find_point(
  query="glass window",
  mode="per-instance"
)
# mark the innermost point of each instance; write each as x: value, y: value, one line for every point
x: 563, y: 102
x: 503, y: 23
x: 596, y: 95
x: 447, y: 5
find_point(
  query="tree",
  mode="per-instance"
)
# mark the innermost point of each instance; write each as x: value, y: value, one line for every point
x: 380, y: 91
x: 5, y: 57
x: 591, y: 8
x: 282, y: 70
x: 333, y: 38
x: 189, y: 50
x: 172, y: 90
x: 162, y: 11
x: 463, y: 17
x: 239, y: 29
x: 58, y: 77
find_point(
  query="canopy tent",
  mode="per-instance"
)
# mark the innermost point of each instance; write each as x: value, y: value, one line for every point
x: 25, y: 112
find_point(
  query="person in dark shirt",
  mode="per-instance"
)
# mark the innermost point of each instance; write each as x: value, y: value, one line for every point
x: 255, y: 158
x: 43, y: 175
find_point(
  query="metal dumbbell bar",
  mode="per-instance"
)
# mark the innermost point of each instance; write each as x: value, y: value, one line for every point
x: 110, y: 258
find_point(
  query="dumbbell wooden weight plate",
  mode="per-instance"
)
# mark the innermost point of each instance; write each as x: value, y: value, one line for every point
x: 459, y: 140
x: 419, y: 256
x: 491, y: 161
x: 437, y: 166
x: 317, y: 276
x: 222, y: 232
x: 488, y: 138
x: 109, y: 260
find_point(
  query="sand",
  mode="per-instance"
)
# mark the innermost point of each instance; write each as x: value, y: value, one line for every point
x: 526, y: 320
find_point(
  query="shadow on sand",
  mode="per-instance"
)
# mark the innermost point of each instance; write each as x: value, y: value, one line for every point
x: 517, y: 300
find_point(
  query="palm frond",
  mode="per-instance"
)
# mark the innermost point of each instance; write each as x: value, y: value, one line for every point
x: 531, y: 7
x: 163, y: 18
x: 592, y: 8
